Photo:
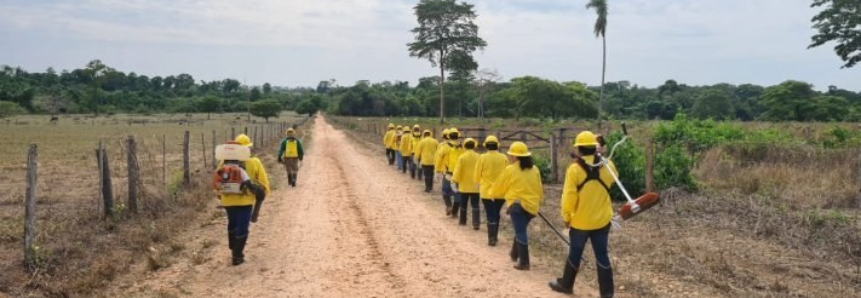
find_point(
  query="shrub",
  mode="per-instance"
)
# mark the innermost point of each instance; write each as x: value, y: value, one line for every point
x: 8, y: 108
x: 543, y: 165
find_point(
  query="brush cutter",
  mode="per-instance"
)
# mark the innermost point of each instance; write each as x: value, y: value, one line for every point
x: 633, y: 207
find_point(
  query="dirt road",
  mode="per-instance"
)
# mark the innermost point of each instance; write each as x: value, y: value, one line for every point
x: 354, y: 227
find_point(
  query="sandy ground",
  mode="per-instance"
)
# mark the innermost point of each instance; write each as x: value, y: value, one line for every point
x: 354, y: 227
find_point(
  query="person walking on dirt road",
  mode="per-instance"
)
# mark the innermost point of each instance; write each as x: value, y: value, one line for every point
x: 467, y: 184
x: 406, y: 147
x: 487, y: 170
x: 520, y: 185
x: 588, y: 211
x: 446, y: 160
x: 242, y: 209
x: 387, y: 141
x: 291, y: 153
x: 416, y: 137
x: 426, y: 152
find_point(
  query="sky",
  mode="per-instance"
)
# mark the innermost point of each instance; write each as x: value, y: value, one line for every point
x: 301, y: 42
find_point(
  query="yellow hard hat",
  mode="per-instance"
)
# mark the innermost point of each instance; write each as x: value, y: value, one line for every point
x: 417, y: 127
x: 244, y: 140
x: 445, y: 133
x: 490, y: 139
x: 391, y: 125
x: 290, y: 131
x: 427, y: 132
x: 519, y: 149
x: 586, y: 139
x: 470, y: 140
x: 452, y: 131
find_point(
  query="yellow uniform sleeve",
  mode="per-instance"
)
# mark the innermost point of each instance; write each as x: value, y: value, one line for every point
x: 418, y: 149
x: 259, y: 174
x: 570, y: 196
x: 441, y: 158
x: 500, y: 187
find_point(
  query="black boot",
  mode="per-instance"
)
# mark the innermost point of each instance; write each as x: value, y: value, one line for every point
x: 462, y: 220
x: 447, y: 200
x: 605, y: 282
x: 295, y: 177
x: 514, y: 254
x: 428, y: 183
x: 238, y: 250
x: 523, y: 252
x: 455, y: 208
x: 565, y: 284
x: 492, y: 230
x: 231, y: 239
x: 476, y: 219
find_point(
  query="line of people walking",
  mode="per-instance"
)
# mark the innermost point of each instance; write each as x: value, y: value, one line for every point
x: 512, y: 180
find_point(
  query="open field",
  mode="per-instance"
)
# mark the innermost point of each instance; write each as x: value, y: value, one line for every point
x: 78, y: 251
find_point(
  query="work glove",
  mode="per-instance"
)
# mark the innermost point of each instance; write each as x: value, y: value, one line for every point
x: 614, y: 223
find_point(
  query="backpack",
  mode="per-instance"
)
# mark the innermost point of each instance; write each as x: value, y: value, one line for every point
x: 231, y: 179
x: 592, y: 173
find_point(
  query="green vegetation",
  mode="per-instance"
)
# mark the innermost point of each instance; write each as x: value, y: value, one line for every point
x: 839, y: 22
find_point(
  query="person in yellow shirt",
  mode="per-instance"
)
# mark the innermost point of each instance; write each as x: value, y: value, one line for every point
x: 587, y: 210
x: 520, y: 185
x: 426, y: 153
x: 487, y: 170
x: 448, y: 154
x: 467, y: 184
x: 406, y: 147
x: 387, y: 141
x: 414, y: 140
x: 241, y: 208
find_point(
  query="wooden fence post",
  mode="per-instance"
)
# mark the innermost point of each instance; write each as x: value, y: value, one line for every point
x: 650, y: 157
x: 214, y: 161
x: 107, y: 186
x: 164, y: 160
x: 203, y: 145
x: 232, y: 133
x: 554, y: 161
x: 30, y: 206
x: 131, y: 151
x: 101, y: 177
x: 186, y: 166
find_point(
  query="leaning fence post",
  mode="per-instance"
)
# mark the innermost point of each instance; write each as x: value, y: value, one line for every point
x: 203, y: 144
x: 133, y: 174
x: 30, y: 207
x: 214, y: 161
x: 650, y: 157
x: 164, y: 160
x: 186, y: 166
x: 107, y: 187
x: 554, y: 161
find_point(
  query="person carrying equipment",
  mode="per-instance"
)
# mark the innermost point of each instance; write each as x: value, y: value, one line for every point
x: 426, y: 152
x: 467, y: 184
x: 241, y: 204
x: 415, y: 171
x: 446, y: 161
x: 487, y: 170
x: 407, y: 150
x: 387, y: 141
x: 291, y: 153
x: 588, y: 211
x: 520, y: 185
x: 396, y: 144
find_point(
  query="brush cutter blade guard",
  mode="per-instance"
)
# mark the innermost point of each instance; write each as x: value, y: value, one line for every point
x: 639, y: 205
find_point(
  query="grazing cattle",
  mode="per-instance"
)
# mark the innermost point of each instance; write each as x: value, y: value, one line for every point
x: 55, y: 120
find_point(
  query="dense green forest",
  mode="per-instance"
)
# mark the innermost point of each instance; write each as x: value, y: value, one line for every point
x: 101, y: 89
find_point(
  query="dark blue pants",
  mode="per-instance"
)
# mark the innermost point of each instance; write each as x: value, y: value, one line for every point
x: 419, y: 168
x: 492, y: 208
x: 399, y: 159
x: 408, y: 164
x: 600, y: 242
x: 428, y: 176
x: 238, y: 219
x: 520, y: 220
x: 472, y: 200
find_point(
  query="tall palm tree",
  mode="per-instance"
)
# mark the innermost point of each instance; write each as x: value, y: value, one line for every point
x: 600, y: 7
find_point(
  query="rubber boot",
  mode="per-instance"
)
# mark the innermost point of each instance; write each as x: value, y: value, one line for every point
x: 492, y: 230
x: 455, y: 208
x: 476, y: 219
x: 295, y: 178
x: 428, y: 183
x: 231, y: 239
x: 447, y: 200
x: 238, y: 250
x: 523, y: 261
x: 605, y: 282
x: 514, y: 254
x: 565, y: 284
x: 463, y: 205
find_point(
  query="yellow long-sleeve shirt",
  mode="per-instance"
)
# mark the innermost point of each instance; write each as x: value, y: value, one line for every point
x: 416, y: 138
x: 490, y: 165
x: 258, y: 176
x: 437, y: 159
x: 388, y: 138
x: 406, y: 145
x: 464, y: 172
x: 448, y: 155
x: 590, y: 208
x: 515, y: 184
x: 426, y: 151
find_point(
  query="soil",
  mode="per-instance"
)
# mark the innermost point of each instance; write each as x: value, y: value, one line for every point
x: 353, y: 227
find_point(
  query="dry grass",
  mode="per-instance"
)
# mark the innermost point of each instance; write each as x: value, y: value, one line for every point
x: 79, y: 251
